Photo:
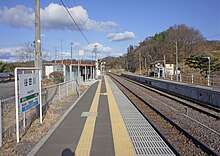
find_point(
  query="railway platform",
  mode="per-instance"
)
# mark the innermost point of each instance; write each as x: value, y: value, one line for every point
x: 102, y: 122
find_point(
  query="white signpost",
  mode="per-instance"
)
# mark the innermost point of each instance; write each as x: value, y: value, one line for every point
x: 29, y: 94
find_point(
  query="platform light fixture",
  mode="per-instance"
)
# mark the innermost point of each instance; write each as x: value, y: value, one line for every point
x: 208, y: 69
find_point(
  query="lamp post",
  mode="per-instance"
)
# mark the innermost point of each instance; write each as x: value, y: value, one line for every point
x: 208, y: 70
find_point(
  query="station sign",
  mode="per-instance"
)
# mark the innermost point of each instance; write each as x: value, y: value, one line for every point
x: 28, y: 91
x: 81, y: 52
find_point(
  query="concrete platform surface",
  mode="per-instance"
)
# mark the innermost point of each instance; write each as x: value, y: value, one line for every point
x: 102, y: 122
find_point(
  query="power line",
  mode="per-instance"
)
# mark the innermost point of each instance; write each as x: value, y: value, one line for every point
x: 74, y: 4
x: 68, y: 3
x: 75, y: 22
x: 77, y: 11
x: 212, y: 36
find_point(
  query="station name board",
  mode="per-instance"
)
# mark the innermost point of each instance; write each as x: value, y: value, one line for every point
x: 28, y: 91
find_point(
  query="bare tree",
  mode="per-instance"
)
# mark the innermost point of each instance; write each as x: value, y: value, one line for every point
x: 25, y: 53
x: 190, y: 40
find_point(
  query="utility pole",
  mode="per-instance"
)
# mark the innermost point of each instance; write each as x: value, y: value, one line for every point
x: 71, y: 52
x: 38, y: 54
x: 96, y: 62
x: 55, y: 55
x: 92, y: 57
x: 61, y: 49
x: 37, y: 61
x: 209, y: 72
x: 145, y: 63
x: 164, y: 69
x: 92, y: 68
x: 78, y: 68
x: 140, y: 62
x: 176, y: 61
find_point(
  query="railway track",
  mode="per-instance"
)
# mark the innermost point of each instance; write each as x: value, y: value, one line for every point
x: 188, y: 135
x: 200, y: 114
x: 207, y: 110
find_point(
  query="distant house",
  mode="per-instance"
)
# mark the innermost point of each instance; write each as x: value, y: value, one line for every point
x: 157, y: 69
x: 169, y: 69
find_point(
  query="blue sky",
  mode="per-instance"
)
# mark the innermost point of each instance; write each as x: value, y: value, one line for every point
x: 112, y: 25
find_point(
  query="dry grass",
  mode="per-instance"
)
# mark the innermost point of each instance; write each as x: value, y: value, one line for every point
x: 37, y: 131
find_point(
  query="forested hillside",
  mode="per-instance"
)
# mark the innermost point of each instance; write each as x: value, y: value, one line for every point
x: 189, y: 42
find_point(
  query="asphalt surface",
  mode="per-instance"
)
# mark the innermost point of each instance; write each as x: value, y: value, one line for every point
x: 103, y: 140
x: 7, y: 90
x: 65, y: 138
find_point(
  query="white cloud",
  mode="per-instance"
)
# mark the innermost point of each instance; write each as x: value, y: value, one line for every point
x: 18, y: 17
x: 121, y: 36
x: 102, y: 50
x: 9, y: 54
x: 13, y: 54
x: 54, y: 16
x: 99, y: 47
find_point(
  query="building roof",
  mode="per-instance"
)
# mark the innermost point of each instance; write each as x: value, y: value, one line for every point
x: 53, y: 64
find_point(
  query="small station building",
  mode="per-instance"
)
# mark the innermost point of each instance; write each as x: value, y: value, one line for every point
x: 70, y: 71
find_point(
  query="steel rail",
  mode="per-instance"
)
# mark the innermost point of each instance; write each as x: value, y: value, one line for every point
x: 175, y: 99
x: 198, y: 143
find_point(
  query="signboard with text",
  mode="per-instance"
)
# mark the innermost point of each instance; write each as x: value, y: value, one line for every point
x: 81, y: 52
x: 28, y: 91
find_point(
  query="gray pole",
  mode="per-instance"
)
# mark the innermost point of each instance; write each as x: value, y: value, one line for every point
x: 71, y: 52
x: 61, y: 49
x: 96, y: 62
x: 140, y: 62
x: 85, y: 74
x: 78, y: 69
x: 145, y: 63
x: 55, y: 55
x: 92, y: 77
x: 176, y: 61
x: 209, y: 72
x: 164, y: 70
x: 37, y: 62
x: 92, y: 56
x: 96, y: 66
x: 101, y: 69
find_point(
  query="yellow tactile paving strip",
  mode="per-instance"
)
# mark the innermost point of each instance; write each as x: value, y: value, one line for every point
x: 84, y: 146
x: 122, y: 143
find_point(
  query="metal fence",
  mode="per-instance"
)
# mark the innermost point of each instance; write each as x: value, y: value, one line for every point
x: 214, y: 80
x: 7, y: 110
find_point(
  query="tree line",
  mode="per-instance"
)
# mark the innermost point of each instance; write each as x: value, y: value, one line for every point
x: 191, y: 45
x: 4, y: 67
